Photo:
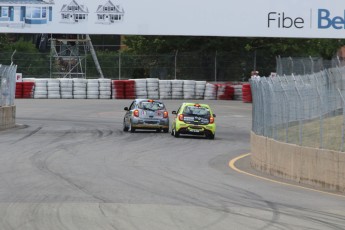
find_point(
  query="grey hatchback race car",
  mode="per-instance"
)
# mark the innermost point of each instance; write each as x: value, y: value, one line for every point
x: 146, y: 114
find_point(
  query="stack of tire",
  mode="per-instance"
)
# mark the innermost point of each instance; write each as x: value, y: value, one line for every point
x: 104, y: 88
x: 210, y: 91
x: 118, y: 89
x: 66, y: 88
x: 188, y: 89
x: 79, y: 88
x: 238, y: 92
x: 225, y: 92
x: 164, y: 89
x: 41, y: 89
x: 140, y: 88
x: 200, y: 89
x: 92, y: 89
x: 152, y: 88
x: 246, y: 93
x: 28, y: 89
x: 53, y: 87
x: 130, y: 89
x: 19, y: 90
x: 177, y: 89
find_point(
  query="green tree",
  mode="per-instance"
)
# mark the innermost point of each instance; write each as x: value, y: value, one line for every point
x: 3, y: 41
x: 29, y: 60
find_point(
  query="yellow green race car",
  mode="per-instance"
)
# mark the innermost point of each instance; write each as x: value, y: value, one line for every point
x: 194, y: 119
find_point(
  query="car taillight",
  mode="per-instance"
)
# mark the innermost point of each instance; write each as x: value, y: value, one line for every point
x: 181, y: 117
x: 211, y: 120
x: 165, y: 114
x: 136, y: 113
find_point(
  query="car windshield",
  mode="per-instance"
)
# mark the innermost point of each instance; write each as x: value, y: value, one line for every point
x: 196, y: 111
x: 147, y: 105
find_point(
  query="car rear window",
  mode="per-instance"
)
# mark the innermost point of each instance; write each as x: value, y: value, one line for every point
x: 196, y: 111
x: 155, y: 105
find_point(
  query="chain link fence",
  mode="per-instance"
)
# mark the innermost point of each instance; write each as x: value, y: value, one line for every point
x: 211, y: 66
x: 7, y: 84
x: 306, y: 110
x: 302, y: 65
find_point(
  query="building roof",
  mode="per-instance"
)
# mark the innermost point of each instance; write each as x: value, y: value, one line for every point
x: 117, y: 9
x: 82, y: 8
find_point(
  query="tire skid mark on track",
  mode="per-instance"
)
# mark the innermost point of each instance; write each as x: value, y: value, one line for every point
x: 28, y: 135
x: 39, y: 160
x: 192, y: 200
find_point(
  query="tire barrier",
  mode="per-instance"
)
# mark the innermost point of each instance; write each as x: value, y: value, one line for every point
x: 225, y: 92
x: 104, y: 88
x: 92, y: 89
x: 210, y: 92
x: 238, y: 92
x: 19, y: 90
x: 79, y: 88
x: 246, y: 93
x: 118, y: 89
x: 176, y: 89
x: 152, y: 88
x: 53, y: 87
x: 200, y: 89
x: 124, y: 89
x: 165, y: 89
x: 188, y: 89
x: 24, y: 89
x: 41, y: 89
x: 130, y: 89
x: 28, y: 89
x: 140, y: 88
x: 66, y: 88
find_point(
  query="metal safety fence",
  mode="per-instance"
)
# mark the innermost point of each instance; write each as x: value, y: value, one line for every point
x: 7, y: 84
x: 303, y: 65
x: 211, y: 66
x: 306, y: 110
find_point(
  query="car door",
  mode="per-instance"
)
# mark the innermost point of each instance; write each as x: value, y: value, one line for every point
x: 129, y: 113
x: 173, y: 125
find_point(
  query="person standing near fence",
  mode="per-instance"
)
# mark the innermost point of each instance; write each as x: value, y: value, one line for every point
x: 255, y: 75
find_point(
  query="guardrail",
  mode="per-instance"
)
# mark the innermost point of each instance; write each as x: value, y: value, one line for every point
x: 7, y: 84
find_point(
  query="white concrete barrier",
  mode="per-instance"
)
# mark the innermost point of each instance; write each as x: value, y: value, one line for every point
x: 317, y: 167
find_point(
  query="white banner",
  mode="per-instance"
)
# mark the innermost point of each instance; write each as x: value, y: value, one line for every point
x: 245, y: 18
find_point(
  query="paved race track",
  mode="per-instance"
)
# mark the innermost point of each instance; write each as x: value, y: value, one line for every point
x: 69, y: 166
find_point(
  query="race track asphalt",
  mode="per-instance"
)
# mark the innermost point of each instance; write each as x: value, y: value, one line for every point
x: 68, y: 165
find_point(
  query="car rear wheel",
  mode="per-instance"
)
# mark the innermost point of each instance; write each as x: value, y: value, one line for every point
x: 211, y: 136
x: 125, y: 128
x: 176, y: 133
x: 130, y: 128
x: 166, y: 130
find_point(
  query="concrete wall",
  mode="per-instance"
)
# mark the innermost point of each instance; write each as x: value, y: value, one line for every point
x: 317, y: 167
x: 7, y: 117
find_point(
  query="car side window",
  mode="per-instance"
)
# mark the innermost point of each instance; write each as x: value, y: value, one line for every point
x: 132, y: 105
x: 178, y: 111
